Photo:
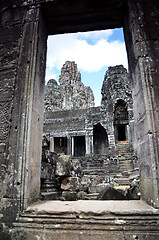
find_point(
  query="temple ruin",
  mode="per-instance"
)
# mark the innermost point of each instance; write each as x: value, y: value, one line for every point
x: 99, y: 140
x: 70, y: 112
x: 24, y: 28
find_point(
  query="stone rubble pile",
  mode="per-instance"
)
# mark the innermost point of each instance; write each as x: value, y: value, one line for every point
x: 67, y: 178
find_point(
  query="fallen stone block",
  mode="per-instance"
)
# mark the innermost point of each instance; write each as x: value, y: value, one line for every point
x: 63, y: 166
x: 71, y: 184
x: 110, y: 193
x: 49, y: 195
x: 69, y: 196
x: 98, y: 188
x: 81, y: 195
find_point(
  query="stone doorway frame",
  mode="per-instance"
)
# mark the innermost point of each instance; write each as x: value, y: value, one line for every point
x: 141, y: 42
x: 137, y: 72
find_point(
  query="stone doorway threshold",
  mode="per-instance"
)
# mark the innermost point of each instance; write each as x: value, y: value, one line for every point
x: 88, y: 220
x: 92, y: 207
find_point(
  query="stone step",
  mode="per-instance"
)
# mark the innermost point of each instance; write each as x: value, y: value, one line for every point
x: 124, y: 152
x: 87, y: 220
x: 95, y: 171
x: 125, y: 160
x: 125, y: 155
x: 122, y: 181
x: 92, y: 196
x: 49, y: 195
x: 125, y: 165
x: 121, y: 145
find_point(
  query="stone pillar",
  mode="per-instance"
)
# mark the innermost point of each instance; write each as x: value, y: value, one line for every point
x: 52, y: 147
x: 89, y: 143
x: 141, y: 31
x: 23, y: 74
x: 33, y: 60
x: 69, y: 149
x: 72, y: 146
x: 111, y: 140
x: 11, y: 114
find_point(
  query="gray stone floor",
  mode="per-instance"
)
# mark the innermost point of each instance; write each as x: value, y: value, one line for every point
x: 92, y: 207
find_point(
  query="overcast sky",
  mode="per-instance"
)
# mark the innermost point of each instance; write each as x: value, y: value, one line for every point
x: 93, y: 52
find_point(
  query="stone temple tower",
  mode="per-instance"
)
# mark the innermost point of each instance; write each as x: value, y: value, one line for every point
x: 71, y: 93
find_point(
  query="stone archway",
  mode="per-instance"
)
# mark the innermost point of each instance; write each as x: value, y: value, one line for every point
x: 100, y: 140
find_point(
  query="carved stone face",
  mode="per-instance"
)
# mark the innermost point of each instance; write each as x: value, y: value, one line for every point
x: 121, y: 112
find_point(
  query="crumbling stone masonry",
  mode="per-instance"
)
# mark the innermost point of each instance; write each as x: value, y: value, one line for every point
x: 24, y: 27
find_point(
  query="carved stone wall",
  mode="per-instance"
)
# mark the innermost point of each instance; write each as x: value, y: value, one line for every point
x: 22, y: 91
x: 142, y: 41
x: 10, y: 41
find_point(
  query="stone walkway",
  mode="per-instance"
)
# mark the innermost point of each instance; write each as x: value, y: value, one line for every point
x: 92, y: 207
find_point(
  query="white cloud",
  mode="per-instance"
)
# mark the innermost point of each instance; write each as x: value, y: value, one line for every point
x: 94, y: 35
x: 89, y: 57
x: 50, y: 75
